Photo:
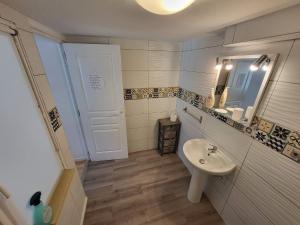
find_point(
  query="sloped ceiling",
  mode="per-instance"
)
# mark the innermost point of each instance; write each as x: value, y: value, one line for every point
x: 125, y: 18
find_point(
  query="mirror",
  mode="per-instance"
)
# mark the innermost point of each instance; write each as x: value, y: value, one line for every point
x: 240, y: 85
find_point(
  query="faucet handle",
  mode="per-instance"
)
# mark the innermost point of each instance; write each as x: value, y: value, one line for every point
x: 213, y: 147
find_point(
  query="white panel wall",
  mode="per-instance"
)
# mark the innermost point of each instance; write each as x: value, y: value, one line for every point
x: 28, y: 161
x: 265, y: 186
x: 148, y: 64
x: 283, y: 22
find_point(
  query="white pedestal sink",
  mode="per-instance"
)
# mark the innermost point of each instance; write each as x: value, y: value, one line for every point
x: 205, y: 164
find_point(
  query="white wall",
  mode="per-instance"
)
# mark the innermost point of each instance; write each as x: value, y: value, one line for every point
x: 265, y: 187
x: 52, y: 59
x: 148, y: 64
x: 28, y: 161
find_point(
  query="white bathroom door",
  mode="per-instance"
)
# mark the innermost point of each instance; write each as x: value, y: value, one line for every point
x: 95, y: 74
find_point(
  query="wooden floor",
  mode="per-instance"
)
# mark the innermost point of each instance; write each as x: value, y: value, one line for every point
x: 144, y: 189
x: 81, y: 168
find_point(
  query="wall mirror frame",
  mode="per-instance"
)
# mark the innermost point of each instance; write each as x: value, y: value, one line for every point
x: 240, y: 85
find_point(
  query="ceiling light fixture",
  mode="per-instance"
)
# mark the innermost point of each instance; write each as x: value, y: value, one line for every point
x: 229, y: 65
x: 254, y: 66
x: 218, y: 64
x: 164, y: 7
x: 266, y: 65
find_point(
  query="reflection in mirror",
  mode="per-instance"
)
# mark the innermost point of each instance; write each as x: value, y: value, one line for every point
x: 240, y: 85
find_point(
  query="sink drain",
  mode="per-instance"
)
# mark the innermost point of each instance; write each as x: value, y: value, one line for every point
x: 202, y: 161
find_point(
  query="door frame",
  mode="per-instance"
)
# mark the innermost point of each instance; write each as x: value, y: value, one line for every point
x: 121, y: 100
x: 69, y: 93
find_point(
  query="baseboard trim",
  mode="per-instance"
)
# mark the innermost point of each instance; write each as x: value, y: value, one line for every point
x: 83, y: 211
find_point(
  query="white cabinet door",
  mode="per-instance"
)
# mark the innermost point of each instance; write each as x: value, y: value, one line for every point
x: 95, y: 72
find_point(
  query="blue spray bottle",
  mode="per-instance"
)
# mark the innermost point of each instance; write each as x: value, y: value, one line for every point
x: 42, y: 214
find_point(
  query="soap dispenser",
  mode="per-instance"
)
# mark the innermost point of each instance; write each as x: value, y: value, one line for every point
x: 42, y: 214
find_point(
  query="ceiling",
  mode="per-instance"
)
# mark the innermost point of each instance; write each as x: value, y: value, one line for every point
x: 125, y: 18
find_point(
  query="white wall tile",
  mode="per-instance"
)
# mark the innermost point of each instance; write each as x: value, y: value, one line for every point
x: 277, y: 170
x: 137, y: 121
x: 163, y: 60
x: 265, y: 98
x: 162, y: 104
x: 202, y: 60
x: 281, y: 48
x: 136, y: 107
x: 267, y: 185
x: 230, y: 217
x: 135, y: 79
x: 154, y: 117
x: 163, y: 78
x: 228, y: 138
x: 153, y: 123
x: 266, y: 199
x: 153, y: 131
x: 165, y: 46
x: 245, y: 209
x: 130, y: 43
x: 134, y: 59
x: 138, y: 145
x: 134, y: 134
x: 152, y: 143
x: 291, y: 71
x: 200, y: 83
x: 284, y: 105
x: 207, y: 42
x: 281, y: 22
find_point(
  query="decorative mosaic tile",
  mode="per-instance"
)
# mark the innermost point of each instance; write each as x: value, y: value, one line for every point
x: 54, y: 119
x: 294, y: 139
x: 255, y: 122
x: 276, y: 143
x: 205, y: 109
x: 265, y: 126
x: 281, y: 132
x: 141, y: 93
x: 222, y: 118
x: 230, y: 122
x: 238, y: 126
x: 248, y: 131
x: 180, y: 93
x: 196, y: 101
x: 261, y: 136
x: 202, y: 99
x: 268, y: 133
x: 292, y: 152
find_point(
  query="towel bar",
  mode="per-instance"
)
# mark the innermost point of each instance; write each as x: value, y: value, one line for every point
x: 195, y: 117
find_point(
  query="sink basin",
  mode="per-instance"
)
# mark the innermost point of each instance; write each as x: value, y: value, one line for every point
x: 204, y: 164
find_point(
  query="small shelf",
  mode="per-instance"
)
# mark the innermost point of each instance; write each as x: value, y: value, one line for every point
x: 58, y: 197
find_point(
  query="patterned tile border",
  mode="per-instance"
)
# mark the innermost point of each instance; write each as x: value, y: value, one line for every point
x: 142, y: 93
x: 273, y: 135
x: 54, y: 119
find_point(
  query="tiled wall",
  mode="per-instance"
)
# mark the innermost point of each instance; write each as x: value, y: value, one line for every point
x: 147, y: 65
x: 265, y: 187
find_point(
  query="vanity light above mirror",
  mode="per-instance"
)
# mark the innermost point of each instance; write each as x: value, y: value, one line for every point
x: 241, y: 82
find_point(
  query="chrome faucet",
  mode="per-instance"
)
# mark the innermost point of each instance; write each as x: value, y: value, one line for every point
x: 212, y: 149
